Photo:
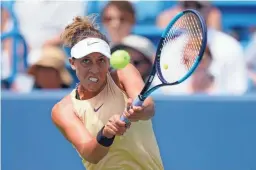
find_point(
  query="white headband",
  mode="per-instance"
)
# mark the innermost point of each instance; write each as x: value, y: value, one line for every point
x: 88, y: 46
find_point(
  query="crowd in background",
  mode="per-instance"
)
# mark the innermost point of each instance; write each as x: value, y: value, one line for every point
x: 227, y: 67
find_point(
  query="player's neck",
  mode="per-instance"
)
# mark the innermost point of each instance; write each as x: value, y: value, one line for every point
x: 85, y: 94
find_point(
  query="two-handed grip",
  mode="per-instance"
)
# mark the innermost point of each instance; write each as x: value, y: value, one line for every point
x: 136, y: 102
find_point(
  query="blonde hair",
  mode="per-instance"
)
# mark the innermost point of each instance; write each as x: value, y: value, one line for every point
x: 81, y: 28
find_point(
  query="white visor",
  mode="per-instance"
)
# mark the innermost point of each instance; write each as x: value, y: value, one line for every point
x: 88, y: 46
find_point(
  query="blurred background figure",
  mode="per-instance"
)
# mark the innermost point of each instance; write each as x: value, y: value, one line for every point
x: 202, y: 81
x: 6, y: 50
x: 250, y: 53
x: 118, y: 18
x: 49, y: 71
x: 228, y: 67
x: 141, y: 50
x: 6, y: 22
x: 208, y: 11
x: 42, y: 24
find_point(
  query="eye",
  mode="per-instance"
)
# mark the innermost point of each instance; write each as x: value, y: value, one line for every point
x: 102, y: 60
x: 86, y: 61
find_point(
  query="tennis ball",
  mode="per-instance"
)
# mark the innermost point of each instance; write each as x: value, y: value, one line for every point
x: 119, y: 59
x: 165, y: 66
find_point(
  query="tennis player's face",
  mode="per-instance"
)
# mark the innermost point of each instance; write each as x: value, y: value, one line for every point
x: 92, y: 71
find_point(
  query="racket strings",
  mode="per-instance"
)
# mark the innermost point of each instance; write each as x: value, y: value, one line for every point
x: 181, y: 47
x: 193, y: 46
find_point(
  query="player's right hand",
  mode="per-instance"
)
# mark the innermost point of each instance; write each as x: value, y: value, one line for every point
x: 114, y: 127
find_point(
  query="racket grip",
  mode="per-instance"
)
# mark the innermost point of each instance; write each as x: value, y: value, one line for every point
x: 124, y: 119
x: 136, y: 102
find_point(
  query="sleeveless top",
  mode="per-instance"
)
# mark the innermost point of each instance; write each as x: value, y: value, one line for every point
x: 137, y: 149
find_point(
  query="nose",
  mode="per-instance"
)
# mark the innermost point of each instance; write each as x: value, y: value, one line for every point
x: 94, y: 69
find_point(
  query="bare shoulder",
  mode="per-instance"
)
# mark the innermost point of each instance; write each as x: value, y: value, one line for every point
x: 64, y: 118
x: 128, y: 71
x: 116, y: 79
x: 62, y: 110
x: 120, y: 75
x: 131, y: 80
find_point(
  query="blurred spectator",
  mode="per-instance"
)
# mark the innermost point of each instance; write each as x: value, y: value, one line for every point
x: 235, y: 32
x: 202, y: 81
x: 118, y: 18
x: 43, y: 23
x: 211, y: 14
x: 6, y: 50
x: 49, y: 71
x: 141, y: 50
x: 250, y: 53
x: 228, y: 67
x: 6, y: 23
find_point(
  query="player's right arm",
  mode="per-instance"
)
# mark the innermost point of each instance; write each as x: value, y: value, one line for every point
x: 72, y: 128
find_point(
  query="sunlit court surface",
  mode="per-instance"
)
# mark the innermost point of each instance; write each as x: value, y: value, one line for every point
x: 64, y: 106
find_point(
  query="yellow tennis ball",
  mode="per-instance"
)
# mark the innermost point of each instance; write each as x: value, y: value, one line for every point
x: 165, y: 66
x: 119, y: 59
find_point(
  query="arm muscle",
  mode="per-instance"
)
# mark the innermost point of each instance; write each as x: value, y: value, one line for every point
x: 132, y: 82
x: 72, y: 128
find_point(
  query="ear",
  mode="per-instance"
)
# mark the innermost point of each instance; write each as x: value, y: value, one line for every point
x: 72, y: 63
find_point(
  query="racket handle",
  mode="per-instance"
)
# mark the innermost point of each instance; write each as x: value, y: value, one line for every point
x: 124, y: 119
x: 136, y: 102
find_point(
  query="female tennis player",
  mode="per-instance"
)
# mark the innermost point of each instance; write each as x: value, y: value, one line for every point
x: 89, y: 117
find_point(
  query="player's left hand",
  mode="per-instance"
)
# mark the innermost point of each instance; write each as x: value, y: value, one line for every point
x: 134, y: 113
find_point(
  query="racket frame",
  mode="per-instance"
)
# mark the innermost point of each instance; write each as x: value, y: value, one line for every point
x: 146, y: 91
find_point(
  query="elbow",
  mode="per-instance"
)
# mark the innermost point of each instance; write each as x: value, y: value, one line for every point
x: 94, y: 161
x: 93, y: 157
x: 92, y: 152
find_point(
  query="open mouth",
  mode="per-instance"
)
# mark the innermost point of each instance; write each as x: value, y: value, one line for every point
x: 93, y: 79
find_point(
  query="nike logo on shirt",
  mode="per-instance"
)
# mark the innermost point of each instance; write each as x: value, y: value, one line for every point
x: 96, y: 110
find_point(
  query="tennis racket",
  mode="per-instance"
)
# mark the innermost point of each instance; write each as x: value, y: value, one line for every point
x: 178, y: 54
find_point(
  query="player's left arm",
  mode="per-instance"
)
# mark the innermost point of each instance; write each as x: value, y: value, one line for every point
x: 132, y: 82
